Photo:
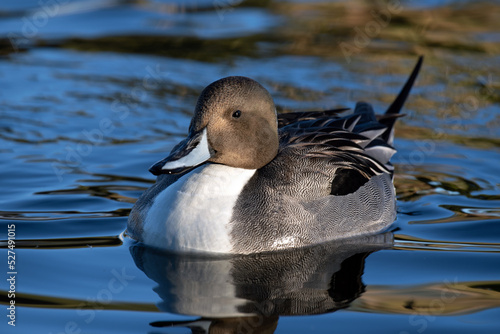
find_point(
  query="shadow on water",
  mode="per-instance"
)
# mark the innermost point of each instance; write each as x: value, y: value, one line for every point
x: 246, y: 294
x: 249, y: 293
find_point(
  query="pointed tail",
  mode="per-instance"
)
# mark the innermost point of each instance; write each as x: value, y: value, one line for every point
x: 390, y: 117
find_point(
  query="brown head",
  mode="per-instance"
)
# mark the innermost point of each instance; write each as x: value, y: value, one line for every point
x: 234, y: 124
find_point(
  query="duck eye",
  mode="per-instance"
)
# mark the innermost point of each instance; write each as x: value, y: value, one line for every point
x: 237, y: 114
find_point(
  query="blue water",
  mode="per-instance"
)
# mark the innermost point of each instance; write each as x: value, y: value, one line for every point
x: 94, y: 92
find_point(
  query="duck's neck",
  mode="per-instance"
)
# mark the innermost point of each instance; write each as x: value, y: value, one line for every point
x: 194, y: 212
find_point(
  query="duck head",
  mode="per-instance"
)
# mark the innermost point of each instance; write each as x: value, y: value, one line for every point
x: 234, y: 124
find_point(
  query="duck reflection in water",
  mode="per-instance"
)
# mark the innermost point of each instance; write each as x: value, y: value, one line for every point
x: 247, y: 294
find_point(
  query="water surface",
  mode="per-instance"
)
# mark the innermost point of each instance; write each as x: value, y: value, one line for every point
x: 94, y: 92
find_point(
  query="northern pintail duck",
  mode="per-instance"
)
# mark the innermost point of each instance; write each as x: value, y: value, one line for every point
x: 247, y: 180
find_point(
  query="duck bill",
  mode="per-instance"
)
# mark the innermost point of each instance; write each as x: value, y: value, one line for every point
x: 189, y: 153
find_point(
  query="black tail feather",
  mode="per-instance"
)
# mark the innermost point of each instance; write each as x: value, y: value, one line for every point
x: 398, y: 103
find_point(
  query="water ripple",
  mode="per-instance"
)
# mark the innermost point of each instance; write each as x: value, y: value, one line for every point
x: 405, y: 242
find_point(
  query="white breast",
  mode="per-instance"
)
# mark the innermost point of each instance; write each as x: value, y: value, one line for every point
x: 194, y: 213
